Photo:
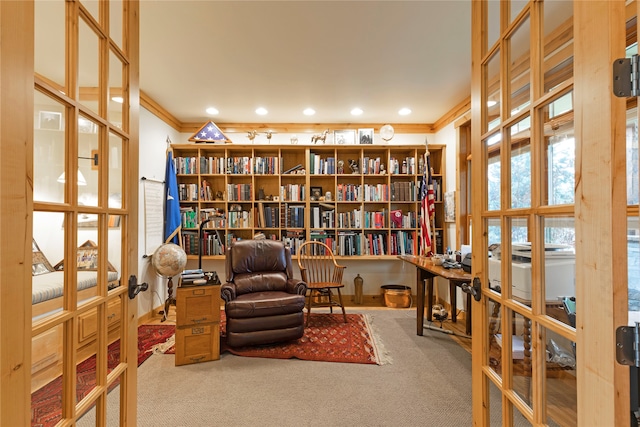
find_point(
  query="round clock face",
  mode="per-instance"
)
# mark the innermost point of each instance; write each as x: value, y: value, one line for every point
x: 386, y: 132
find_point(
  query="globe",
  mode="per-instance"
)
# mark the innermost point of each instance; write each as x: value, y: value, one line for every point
x: 169, y: 259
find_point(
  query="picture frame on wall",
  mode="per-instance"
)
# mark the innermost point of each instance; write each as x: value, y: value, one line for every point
x: 50, y: 120
x: 344, y: 137
x: 450, y: 206
x: 365, y: 136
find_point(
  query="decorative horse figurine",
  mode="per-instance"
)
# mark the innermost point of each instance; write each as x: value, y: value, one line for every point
x: 320, y: 137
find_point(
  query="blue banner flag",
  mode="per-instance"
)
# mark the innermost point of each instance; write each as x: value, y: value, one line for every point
x: 172, y: 219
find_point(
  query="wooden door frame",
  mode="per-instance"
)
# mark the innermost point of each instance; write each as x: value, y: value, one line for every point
x: 601, y: 203
x: 601, y: 273
x: 17, y: 33
x: 16, y: 216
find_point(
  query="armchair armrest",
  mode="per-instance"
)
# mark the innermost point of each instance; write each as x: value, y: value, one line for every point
x: 296, y: 286
x: 228, y: 291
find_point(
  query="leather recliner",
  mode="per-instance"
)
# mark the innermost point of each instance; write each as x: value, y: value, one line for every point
x: 263, y: 302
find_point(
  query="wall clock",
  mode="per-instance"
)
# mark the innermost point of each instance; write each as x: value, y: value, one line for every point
x: 387, y: 132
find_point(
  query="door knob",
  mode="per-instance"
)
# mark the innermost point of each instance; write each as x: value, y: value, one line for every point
x: 135, y: 288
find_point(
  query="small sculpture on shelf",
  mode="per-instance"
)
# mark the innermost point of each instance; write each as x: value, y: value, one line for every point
x: 252, y: 135
x: 353, y: 165
x: 340, y: 167
x: 269, y: 135
x: 320, y: 137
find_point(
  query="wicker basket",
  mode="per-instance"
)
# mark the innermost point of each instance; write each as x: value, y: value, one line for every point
x: 396, y: 296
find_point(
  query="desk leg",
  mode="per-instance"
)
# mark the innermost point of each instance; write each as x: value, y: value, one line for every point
x: 453, y: 295
x: 420, y: 304
x: 429, y: 298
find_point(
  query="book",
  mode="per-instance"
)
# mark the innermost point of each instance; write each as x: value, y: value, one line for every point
x: 295, y: 168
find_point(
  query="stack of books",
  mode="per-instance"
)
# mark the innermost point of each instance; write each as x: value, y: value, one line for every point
x: 192, y: 278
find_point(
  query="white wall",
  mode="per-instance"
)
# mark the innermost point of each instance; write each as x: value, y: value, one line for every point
x: 153, y: 146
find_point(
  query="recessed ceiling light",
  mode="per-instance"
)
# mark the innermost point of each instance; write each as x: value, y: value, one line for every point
x: 356, y: 111
x: 212, y: 111
x: 117, y: 99
x: 261, y: 111
x: 404, y: 111
x: 309, y: 112
x: 491, y: 103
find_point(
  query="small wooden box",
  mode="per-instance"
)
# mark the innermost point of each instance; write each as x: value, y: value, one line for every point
x: 197, y: 324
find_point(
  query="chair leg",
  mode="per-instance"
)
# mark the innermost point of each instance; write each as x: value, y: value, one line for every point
x: 344, y: 314
x: 309, y: 301
x: 330, y: 296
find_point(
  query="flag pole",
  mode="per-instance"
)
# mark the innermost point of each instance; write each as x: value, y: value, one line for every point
x: 430, y: 218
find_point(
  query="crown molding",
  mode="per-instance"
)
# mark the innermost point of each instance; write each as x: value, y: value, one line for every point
x: 148, y: 103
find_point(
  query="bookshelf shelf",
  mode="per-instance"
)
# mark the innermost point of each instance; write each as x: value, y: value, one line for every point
x: 299, y: 193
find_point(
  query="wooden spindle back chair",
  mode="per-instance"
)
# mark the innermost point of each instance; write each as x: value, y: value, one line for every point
x: 322, y: 275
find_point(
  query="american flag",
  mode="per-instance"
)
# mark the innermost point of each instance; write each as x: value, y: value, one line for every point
x: 209, y: 133
x: 427, y: 210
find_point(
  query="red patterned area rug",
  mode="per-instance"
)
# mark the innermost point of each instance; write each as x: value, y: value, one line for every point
x: 326, y: 339
x: 46, y: 402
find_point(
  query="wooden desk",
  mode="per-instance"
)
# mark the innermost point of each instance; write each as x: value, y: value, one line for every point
x: 426, y: 271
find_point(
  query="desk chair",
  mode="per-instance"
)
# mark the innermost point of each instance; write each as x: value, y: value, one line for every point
x: 322, y: 274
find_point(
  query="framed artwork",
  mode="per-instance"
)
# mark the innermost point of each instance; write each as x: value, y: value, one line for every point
x: 316, y: 193
x: 40, y: 264
x: 344, y: 137
x: 50, y: 120
x: 450, y: 206
x: 365, y: 136
x: 86, y: 258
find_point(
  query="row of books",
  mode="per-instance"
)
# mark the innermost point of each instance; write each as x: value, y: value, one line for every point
x: 347, y: 243
x: 293, y: 192
x: 293, y: 216
x: 404, y: 191
x: 396, y: 191
x: 232, y: 165
x: 403, y: 243
x: 399, y: 166
x: 376, y: 219
x: 322, y: 218
x: 239, y: 192
x: 272, y: 165
x: 321, y: 166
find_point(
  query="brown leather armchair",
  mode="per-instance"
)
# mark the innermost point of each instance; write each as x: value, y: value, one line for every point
x: 263, y: 302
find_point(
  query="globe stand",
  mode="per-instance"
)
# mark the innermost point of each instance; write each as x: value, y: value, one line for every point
x: 169, y: 301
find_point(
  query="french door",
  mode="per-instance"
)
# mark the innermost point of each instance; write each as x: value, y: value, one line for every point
x: 75, y: 125
x: 550, y: 230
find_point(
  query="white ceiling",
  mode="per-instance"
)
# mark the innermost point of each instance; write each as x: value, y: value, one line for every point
x: 290, y: 55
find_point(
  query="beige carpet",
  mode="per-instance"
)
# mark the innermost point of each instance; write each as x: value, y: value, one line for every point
x: 428, y: 383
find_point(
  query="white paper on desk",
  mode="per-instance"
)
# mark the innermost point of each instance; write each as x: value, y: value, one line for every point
x: 465, y: 249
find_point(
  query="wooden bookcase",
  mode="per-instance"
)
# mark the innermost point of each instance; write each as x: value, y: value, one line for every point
x: 282, y: 192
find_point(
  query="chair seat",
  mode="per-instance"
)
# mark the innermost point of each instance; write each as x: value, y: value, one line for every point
x: 324, y: 285
x: 261, y: 304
